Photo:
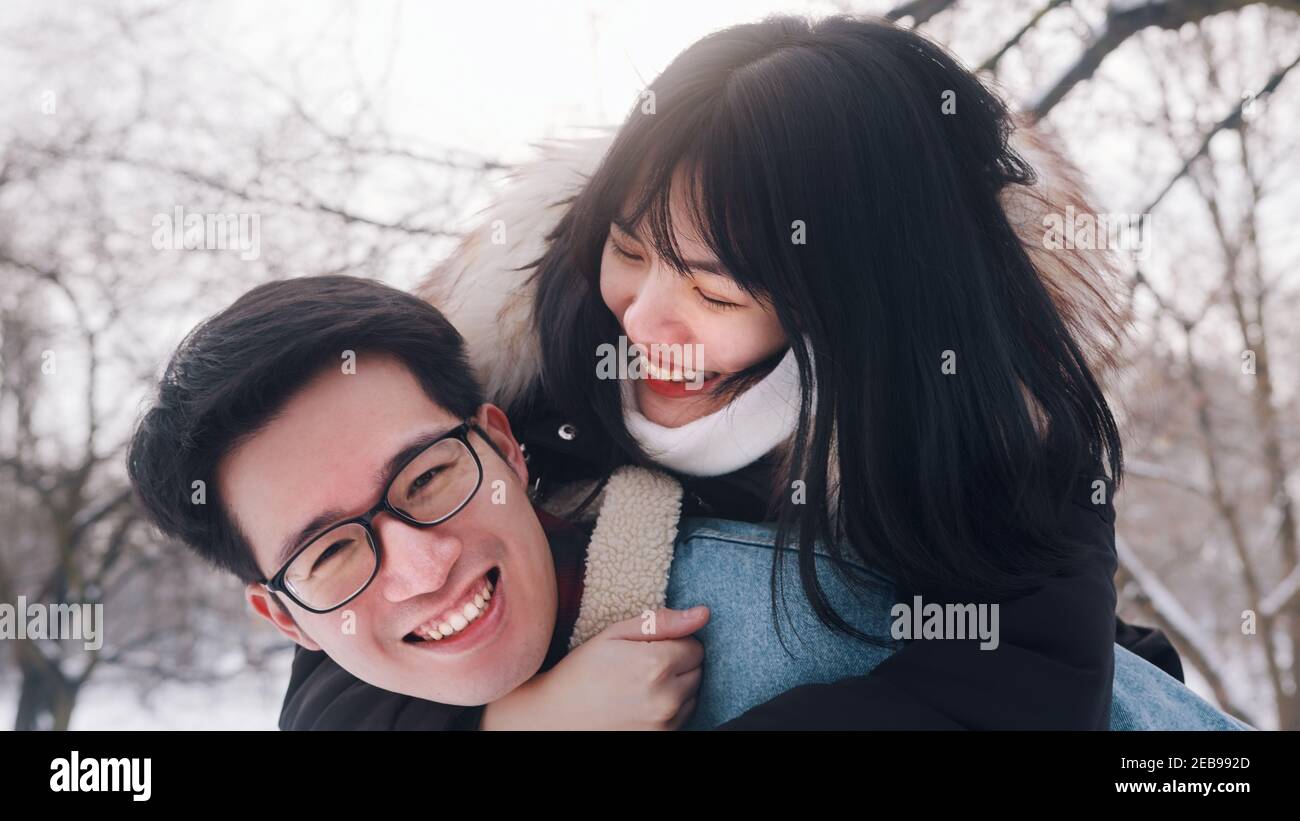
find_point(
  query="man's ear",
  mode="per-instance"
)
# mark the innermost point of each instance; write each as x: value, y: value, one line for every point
x: 496, y: 425
x: 265, y: 604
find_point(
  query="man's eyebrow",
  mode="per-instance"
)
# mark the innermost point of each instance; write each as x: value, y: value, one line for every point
x: 294, y: 541
x: 381, y: 479
x: 707, y: 266
x: 408, y: 451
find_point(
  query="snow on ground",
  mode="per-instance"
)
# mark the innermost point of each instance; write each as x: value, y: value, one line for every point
x: 249, y: 702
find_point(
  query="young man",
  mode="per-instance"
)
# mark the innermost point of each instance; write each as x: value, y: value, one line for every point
x: 370, y: 500
x: 325, y: 440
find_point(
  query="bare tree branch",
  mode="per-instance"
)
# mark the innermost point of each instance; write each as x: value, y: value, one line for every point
x: 1157, y: 600
x: 1232, y: 120
x: 919, y: 10
x: 1123, y: 20
x: 991, y: 64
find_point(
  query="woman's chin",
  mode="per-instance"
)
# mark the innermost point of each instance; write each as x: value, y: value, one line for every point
x: 672, y: 412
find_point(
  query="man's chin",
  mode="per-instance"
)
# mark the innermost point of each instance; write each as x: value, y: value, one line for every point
x: 483, y: 690
x: 454, y: 687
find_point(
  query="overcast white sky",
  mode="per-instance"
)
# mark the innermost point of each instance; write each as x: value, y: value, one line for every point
x: 494, y: 77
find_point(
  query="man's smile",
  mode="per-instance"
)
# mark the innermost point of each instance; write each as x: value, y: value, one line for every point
x: 469, y: 619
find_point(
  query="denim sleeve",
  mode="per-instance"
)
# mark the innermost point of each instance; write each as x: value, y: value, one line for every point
x: 1053, y: 666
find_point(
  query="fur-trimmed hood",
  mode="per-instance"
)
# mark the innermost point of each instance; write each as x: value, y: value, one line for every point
x: 486, y: 288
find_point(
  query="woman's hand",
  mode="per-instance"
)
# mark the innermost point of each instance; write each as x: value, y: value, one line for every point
x: 622, y: 679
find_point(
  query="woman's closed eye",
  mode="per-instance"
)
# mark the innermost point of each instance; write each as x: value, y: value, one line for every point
x: 625, y: 253
x: 713, y: 302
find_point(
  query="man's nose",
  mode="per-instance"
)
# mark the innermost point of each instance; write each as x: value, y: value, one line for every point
x: 416, y: 560
x: 654, y: 315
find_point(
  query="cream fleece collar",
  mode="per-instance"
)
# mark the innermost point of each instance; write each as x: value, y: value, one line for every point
x: 630, y: 552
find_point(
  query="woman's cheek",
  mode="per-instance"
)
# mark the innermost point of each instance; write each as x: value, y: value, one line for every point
x: 737, y: 340
x: 609, y: 288
x: 727, y: 346
x: 619, y: 281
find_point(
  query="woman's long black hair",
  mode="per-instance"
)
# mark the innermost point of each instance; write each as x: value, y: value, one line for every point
x: 891, y: 157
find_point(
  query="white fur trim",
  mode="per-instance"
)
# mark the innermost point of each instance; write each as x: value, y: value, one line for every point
x: 487, y: 293
x: 1082, y: 282
x: 486, y: 290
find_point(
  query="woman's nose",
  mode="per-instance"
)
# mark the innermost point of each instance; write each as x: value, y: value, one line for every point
x: 654, y: 314
x: 415, y: 560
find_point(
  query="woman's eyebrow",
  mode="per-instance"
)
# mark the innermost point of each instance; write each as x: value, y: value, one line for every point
x: 626, y: 227
x: 708, y: 266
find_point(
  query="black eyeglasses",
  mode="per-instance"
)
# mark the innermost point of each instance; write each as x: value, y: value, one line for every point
x: 334, y: 567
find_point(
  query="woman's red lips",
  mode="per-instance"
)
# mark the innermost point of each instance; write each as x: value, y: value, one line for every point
x: 677, y: 389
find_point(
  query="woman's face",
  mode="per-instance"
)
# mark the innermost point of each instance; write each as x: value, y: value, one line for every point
x: 695, y: 328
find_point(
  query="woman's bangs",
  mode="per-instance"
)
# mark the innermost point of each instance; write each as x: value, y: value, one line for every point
x: 647, y: 172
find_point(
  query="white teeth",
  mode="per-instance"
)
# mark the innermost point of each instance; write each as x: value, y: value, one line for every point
x: 457, y: 620
x: 674, y: 374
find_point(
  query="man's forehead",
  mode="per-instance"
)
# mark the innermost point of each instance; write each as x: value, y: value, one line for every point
x: 325, y: 450
x: 368, y: 490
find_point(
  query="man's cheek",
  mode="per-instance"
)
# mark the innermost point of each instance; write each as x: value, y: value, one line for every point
x: 342, y: 632
x: 347, y: 622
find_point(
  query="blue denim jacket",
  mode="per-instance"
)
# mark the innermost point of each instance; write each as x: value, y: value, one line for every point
x: 727, y: 565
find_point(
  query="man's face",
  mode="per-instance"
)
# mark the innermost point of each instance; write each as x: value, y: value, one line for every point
x: 325, y: 454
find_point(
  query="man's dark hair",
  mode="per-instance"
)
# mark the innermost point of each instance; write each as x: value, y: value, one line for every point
x: 235, y: 371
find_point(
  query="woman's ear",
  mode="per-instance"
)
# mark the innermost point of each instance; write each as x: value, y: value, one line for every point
x: 496, y: 425
x: 266, y: 605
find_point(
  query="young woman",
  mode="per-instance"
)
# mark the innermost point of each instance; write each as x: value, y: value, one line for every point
x: 894, y: 365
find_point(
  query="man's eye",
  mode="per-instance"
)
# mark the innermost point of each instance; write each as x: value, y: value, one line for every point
x: 329, y: 553
x: 423, y: 479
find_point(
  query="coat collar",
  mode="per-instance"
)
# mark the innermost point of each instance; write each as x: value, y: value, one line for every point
x: 630, y: 552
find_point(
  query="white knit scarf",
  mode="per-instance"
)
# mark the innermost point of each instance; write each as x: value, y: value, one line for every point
x: 728, y: 439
